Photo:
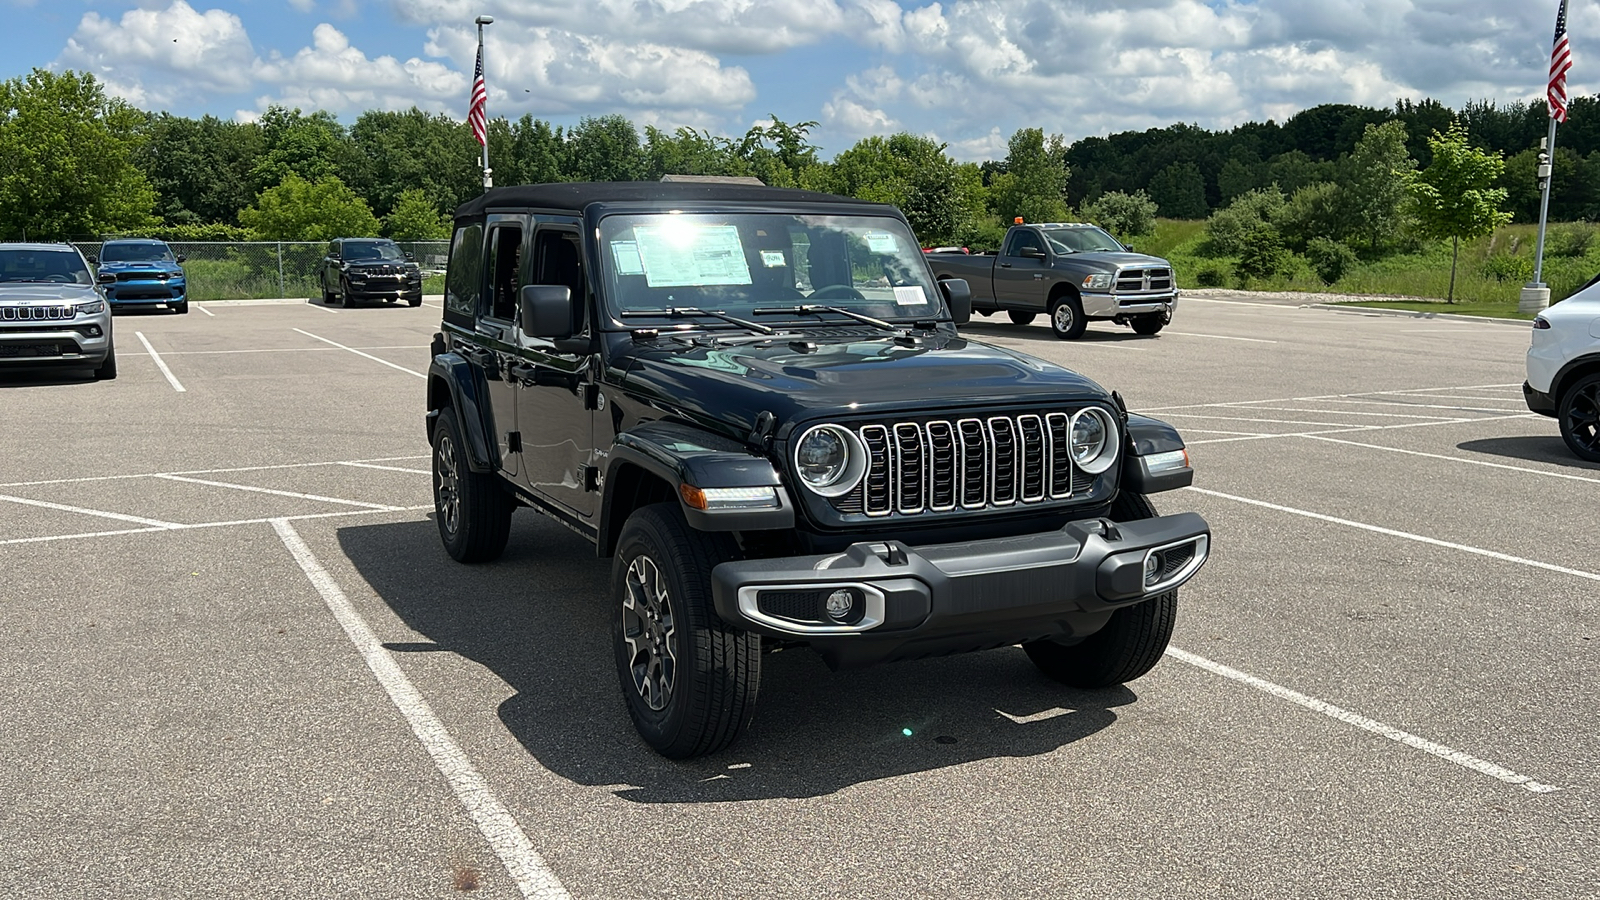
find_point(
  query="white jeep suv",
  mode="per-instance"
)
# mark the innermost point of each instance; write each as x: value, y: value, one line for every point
x: 52, y: 313
x: 1564, y: 369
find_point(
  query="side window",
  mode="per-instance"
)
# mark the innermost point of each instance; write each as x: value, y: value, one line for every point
x: 464, y: 275
x: 333, y: 249
x: 505, y: 272
x: 1020, y: 241
x: 558, y: 260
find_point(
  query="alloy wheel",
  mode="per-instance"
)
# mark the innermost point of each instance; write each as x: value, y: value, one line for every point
x: 1583, y: 417
x: 447, y: 484
x: 649, y: 632
x: 1062, y: 315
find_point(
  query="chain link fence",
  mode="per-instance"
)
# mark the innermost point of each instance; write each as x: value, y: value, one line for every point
x: 260, y: 269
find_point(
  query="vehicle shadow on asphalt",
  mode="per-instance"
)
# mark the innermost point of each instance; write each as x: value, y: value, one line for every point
x: 20, y: 378
x: 1531, y: 448
x: 1040, y: 331
x: 539, y: 618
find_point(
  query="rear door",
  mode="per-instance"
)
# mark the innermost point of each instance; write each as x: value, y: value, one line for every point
x: 495, y: 331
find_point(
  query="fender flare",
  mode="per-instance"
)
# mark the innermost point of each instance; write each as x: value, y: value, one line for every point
x: 1148, y: 437
x: 450, y: 374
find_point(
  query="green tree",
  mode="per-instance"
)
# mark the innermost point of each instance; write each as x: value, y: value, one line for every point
x: 413, y: 150
x: 604, y: 148
x: 66, y: 152
x: 941, y: 199
x: 1124, y: 215
x: 300, y: 210
x: 1034, y: 184
x: 312, y: 147
x: 1179, y: 191
x: 1317, y: 210
x: 1454, y: 196
x: 200, y: 168
x: 538, y: 152
x: 780, y: 154
x: 1228, y: 228
x: 1374, y: 181
x: 415, y: 218
x: 1262, y: 254
x: 686, y: 152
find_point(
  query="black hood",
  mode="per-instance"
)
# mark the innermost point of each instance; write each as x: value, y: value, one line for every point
x: 730, y: 382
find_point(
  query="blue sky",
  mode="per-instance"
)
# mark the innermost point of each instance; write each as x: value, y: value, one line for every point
x: 966, y: 72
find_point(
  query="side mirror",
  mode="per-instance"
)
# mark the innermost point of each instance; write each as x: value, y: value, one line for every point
x: 545, y: 311
x: 1129, y: 248
x: 409, y: 257
x: 94, y: 260
x: 958, y: 294
x: 106, y: 278
x: 181, y: 259
x: 1031, y: 253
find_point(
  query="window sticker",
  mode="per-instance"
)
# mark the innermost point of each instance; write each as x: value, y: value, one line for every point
x: 685, y: 255
x: 626, y: 253
x: 773, y: 259
x: 881, y: 242
x: 910, y: 295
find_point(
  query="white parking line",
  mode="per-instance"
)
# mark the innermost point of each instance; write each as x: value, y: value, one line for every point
x: 262, y: 490
x: 290, y: 350
x: 202, y: 308
x: 308, y: 465
x: 367, y: 355
x: 1220, y: 337
x: 1179, y: 415
x: 1462, y: 387
x: 1421, y: 405
x: 1394, y: 734
x: 204, y: 525
x: 62, y: 507
x: 1338, y: 412
x: 171, y: 379
x: 1351, y: 429
x: 362, y: 465
x: 1458, y: 459
x: 524, y: 864
x: 321, y: 307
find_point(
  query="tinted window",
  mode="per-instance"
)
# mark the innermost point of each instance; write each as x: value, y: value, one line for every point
x: 1022, y: 240
x: 557, y: 260
x: 505, y: 272
x: 1077, y: 240
x: 387, y: 251
x: 465, y: 272
x: 55, y: 266
x: 135, y: 253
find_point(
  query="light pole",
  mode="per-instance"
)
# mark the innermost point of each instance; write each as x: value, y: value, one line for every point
x: 480, y: 103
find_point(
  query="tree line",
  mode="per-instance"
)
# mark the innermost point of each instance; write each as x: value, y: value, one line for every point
x: 76, y: 162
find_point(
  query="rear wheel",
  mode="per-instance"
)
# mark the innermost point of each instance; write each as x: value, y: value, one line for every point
x: 688, y: 677
x: 473, y: 512
x: 1129, y: 645
x: 1579, y: 416
x: 1066, y: 317
x: 1018, y: 317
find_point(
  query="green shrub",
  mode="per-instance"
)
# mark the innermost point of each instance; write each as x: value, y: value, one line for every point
x: 1330, y: 259
x: 1504, y: 267
x: 1211, y: 275
x: 1228, y: 229
x: 1262, y: 254
x: 1572, y: 241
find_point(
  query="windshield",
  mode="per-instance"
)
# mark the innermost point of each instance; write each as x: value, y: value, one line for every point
x: 739, y: 262
x: 135, y: 253
x: 384, y: 250
x: 1078, y: 240
x: 57, y: 266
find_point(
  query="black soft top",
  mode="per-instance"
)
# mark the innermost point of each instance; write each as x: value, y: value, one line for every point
x: 577, y: 195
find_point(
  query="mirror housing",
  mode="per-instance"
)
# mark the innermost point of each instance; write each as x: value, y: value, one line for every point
x: 545, y: 311
x: 1129, y: 248
x: 180, y: 259
x: 93, y: 260
x: 1031, y: 253
x: 958, y: 294
x: 410, y: 257
x: 106, y: 278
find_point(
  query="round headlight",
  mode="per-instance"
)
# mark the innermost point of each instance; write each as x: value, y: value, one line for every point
x: 1093, y: 440
x: 830, y: 460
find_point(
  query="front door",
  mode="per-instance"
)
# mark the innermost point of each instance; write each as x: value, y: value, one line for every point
x: 1019, y: 280
x: 555, y: 388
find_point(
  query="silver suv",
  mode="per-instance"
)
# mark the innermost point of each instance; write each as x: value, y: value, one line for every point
x: 52, y: 313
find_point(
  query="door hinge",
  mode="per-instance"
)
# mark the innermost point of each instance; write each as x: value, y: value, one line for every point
x: 514, y: 441
x: 591, y: 478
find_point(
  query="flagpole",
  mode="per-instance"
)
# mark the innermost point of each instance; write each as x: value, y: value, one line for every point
x: 488, y: 173
x: 1536, y: 294
x: 1546, y: 167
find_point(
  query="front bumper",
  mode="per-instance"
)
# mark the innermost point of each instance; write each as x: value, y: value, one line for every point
x: 385, y: 289
x: 1108, y: 306
x: 911, y: 602
x: 67, y: 345
x: 146, y: 293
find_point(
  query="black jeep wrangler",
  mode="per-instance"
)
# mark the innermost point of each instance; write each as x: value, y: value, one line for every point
x: 756, y: 400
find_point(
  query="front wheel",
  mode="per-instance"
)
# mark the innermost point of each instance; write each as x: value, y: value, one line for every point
x: 1020, y: 318
x: 107, y: 369
x: 688, y: 677
x: 473, y: 512
x: 1579, y: 416
x: 1066, y: 317
x: 1150, y: 324
x: 181, y: 308
x: 1129, y: 645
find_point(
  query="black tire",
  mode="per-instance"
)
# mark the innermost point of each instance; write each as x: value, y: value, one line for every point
x: 1066, y: 317
x: 1018, y: 317
x: 415, y: 302
x: 1579, y: 416
x: 472, y: 510
x: 1151, y: 324
x: 182, y: 308
x: 344, y: 294
x: 1129, y: 645
x: 107, y: 369
x: 689, y: 678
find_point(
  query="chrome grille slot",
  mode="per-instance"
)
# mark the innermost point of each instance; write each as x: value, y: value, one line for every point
x: 35, y: 313
x: 942, y: 472
x: 879, y: 499
x: 1160, y: 279
x: 1033, y: 455
x: 909, y: 468
x: 1003, y: 456
x: 1060, y: 425
x: 974, y: 463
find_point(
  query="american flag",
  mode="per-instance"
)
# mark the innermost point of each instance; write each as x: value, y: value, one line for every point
x: 1560, y: 62
x: 477, y: 115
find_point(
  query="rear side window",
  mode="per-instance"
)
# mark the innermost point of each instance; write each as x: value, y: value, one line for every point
x: 464, y: 277
x: 505, y: 272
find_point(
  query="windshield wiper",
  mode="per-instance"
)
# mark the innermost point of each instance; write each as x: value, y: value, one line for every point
x: 812, y: 309
x: 678, y: 312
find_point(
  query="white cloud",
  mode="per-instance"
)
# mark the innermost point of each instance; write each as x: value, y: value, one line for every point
x: 332, y: 74
x: 156, y: 56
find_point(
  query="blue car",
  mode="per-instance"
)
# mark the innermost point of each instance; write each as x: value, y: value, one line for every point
x: 142, y: 273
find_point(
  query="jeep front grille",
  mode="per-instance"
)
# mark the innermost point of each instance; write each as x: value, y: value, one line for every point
x: 1144, y: 281
x: 968, y: 463
x: 35, y: 313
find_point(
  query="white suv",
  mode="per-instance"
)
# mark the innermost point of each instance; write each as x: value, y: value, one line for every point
x: 1564, y: 369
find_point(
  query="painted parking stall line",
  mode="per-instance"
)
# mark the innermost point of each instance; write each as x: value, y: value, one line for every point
x: 375, y: 359
x: 62, y: 507
x: 1465, y: 760
x: 160, y: 363
x: 523, y: 863
x: 261, y: 490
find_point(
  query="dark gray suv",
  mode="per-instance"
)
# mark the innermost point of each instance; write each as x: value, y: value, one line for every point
x: 52, y: 313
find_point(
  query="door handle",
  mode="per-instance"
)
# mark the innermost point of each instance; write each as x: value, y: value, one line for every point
x: 1005, y: 265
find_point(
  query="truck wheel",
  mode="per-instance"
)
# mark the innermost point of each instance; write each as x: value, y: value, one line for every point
x: 1129, y: 645
x: 689, y: 679
x: 473, y: 512
x: 1579, y: 415
x: 107, y: 369
x: 1020, y: 318
x: 1150, y: 324
x: 1066, y: 317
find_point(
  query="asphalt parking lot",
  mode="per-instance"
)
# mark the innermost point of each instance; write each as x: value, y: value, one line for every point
x: 241, y: 664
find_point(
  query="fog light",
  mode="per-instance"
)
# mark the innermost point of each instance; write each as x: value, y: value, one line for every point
x: 840, y: 603
x: 1152, y: 569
